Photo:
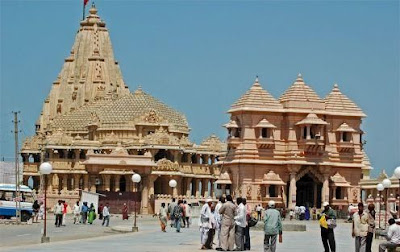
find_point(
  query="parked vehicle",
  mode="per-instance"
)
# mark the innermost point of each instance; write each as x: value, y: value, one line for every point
x: 8, y: 201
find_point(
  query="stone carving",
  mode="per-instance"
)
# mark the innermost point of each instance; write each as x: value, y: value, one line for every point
x: 58, y: 109
x: 94, y: 118
x: 161, y: 137
x: 248, y: 195
x: 258, y: 192
x: 152, y: 117
x: 60, y: 138
x: 313, y: 171
x: 212, y: 143
x: 166, y: 165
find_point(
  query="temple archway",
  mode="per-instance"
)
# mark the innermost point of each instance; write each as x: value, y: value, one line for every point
x: 308, y: 191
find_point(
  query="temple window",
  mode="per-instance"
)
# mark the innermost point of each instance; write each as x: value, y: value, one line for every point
x: 237, y: 132
x: 272, y: 191
x: 37, y: 126
x: 338, y: 193
x: 140, y: 152
x: 82, y: 155
x: 264, y: 132
x: 184, y: 158
x: 194, y: 159
x: 346, y: 137
x: 31, y: 159
x: 61, y: 153
x: 71, y: 154
x: 36, y: 158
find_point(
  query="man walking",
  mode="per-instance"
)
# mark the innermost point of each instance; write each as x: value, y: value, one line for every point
x: 171, y: 208
x: 84, y: 212
x: 327, y: 234
x: 77, y: 212
x: 259, y: 211
x: 247, y: 228
x: 58, y: 211
x: 371, y: 226
x: 218, y: 220
x: 106, y: 215
x: 272, y: 227
x: 240, y: 222
x: 393, y: 236
x: 205, y: 215
x: 360, y: 228
x: 228, y: 211
x: 178, y: 213
x: 188, y: 213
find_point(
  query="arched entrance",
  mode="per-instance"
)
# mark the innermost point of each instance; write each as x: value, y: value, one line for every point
x: 308, y: 191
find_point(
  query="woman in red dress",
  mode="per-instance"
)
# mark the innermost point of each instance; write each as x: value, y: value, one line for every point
x: 125, y: 212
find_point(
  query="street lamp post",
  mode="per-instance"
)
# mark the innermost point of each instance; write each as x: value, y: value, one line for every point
x: 386, y: 183
x: 172, y: 183
x: 45, y: 169
x: 380, y: 188
x: 135, y: 179
x: 397, y: 175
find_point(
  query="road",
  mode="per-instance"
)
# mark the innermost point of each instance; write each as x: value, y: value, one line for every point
x: 150, y: 239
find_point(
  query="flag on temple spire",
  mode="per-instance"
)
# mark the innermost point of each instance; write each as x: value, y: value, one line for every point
x: 84, y: 5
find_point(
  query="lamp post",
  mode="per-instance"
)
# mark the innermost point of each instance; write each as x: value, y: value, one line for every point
x: 45, y: 169
x: 172, y: 183
x: 397, y: 175
x: 135, y: 179
x: 386, y: 183
x: 380, y: 188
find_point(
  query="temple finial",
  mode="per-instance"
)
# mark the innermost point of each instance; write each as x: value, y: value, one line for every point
x: 256, y: 81
x: 299, y: 75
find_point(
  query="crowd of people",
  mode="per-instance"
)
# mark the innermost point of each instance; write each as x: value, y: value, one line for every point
x: 82, y: 214
x: 229, y: 222
x: 364, y: 228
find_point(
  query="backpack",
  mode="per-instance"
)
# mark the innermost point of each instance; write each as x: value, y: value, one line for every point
x: 177, y: 212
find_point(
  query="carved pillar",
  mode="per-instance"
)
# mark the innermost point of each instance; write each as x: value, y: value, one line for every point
x: 188, y: 182
x: 65, y: 183
x: 333, y: 192
x: 308, y: 131
x: 197, y: 194
x: 206, y: 192
x: 93, y: 184
x: 212, y: 191
x: 145, y: 195
x: 76, y: 181
x: 116, y: 182
x: 292, y: 190
x: 345, y: 192
x: 178, y: 189
x: 106, y: 179
x: 325, y: 189
x: 86, y: 182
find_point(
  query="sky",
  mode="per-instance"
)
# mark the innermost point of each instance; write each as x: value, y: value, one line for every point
x: 201, y: 56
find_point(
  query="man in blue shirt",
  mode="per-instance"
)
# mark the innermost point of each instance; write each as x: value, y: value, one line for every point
x: 272, y: 227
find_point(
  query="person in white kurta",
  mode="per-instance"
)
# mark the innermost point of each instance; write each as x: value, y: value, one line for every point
x: 205, y: 215
x: 218, y: 220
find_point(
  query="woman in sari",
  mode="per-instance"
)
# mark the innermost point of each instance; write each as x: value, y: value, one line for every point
x: 92, y: 214
x: 125, y: 212
x: 163, y: 217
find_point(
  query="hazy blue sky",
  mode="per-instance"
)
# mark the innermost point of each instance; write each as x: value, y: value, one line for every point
x: 201, y: 56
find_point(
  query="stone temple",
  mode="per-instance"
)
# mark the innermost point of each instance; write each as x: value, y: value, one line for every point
x: 97, y: 134
x: 299, y: 149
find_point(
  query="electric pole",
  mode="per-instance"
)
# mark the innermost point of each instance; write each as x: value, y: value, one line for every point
x: 17, y: 181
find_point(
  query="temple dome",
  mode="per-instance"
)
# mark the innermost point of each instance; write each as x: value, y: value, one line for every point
x: 138, y: 108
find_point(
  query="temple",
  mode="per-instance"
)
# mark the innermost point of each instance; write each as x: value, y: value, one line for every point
x: 298, y: 150
x: 97, y: 134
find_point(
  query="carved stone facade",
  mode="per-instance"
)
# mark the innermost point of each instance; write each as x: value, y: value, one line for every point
x: 298, y: 150
x: 97, y: 134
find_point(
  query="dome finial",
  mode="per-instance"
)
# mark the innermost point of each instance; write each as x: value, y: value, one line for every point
x: 256, y: 81
x: 93, y: 9
x: 299, y: 75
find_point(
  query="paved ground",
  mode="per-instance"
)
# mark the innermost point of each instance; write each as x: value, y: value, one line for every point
x: 150, y: 239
